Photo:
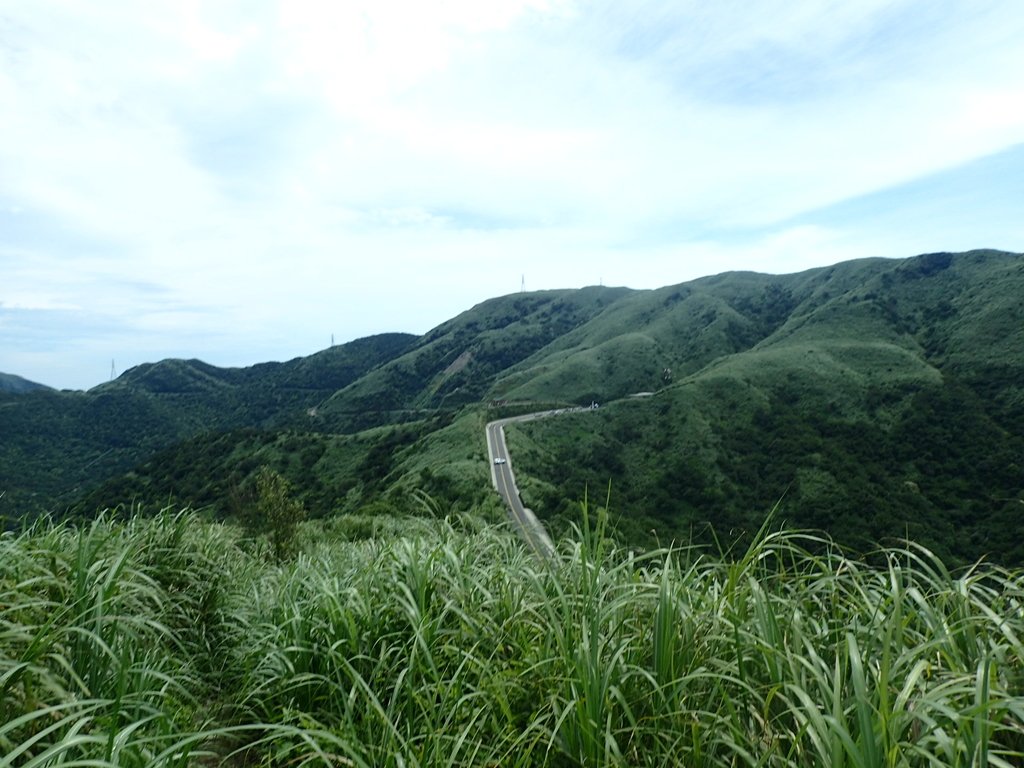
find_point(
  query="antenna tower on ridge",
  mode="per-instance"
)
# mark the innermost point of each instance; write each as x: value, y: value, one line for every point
x: 522, y: 285
x: 111, y: 369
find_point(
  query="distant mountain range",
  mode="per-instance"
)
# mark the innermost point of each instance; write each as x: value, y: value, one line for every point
x: 16, y: 385
x: 873, y: 398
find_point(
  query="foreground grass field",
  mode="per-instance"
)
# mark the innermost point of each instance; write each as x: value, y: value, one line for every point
x: 173, y: 642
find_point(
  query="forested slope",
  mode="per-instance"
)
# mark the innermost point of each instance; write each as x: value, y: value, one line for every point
x: 877, y: 398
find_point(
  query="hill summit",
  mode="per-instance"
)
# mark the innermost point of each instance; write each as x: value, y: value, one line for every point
x: 17, y: 385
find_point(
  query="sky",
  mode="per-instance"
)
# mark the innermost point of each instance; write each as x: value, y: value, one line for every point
x: 246, y: 180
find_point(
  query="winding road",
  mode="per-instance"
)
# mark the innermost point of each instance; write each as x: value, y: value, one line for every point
x: 504, y: 481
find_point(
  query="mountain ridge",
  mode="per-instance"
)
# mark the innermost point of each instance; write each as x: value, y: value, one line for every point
x: 96, y: 434
x: 14, y: 384
x: 840, y: 356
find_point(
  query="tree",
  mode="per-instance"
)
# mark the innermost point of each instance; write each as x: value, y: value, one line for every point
x: 275, y: 513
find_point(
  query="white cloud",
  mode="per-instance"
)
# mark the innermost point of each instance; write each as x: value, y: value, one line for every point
x: 283, y: 166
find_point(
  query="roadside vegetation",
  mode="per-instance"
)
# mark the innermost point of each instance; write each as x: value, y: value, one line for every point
x: 939, y: 465
x: 173, y: 641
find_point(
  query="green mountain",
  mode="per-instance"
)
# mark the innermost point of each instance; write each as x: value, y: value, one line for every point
x: 888, y: 402
x: 56, y: 446
x: 460, y: 362
x: 9, y: 383
x: 875, y: 398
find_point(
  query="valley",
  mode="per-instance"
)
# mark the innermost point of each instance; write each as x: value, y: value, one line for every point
x: 876, y: 400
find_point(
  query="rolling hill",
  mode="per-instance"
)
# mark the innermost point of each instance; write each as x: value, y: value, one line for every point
x: 16, y: 385
x: 875, y: 398
x: 56, y: 446
x: 889, y: 403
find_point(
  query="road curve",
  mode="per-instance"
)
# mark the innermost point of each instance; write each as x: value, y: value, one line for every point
x: 504, y: 481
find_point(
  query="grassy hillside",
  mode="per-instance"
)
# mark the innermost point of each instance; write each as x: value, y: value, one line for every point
x: 458, y: 362
x: 174, y: 642
x: 876, y: 398
x: 650, y: 338
x: 887, y: 404
x: 378, y: 470
x: 58, y: 445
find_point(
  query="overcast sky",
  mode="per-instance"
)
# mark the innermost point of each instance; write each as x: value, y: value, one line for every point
x: 238, y: 181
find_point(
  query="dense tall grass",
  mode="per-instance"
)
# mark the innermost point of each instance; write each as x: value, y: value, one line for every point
x: 172, y: 642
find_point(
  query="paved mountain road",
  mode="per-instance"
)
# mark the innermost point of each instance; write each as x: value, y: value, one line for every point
x: 504, y: 481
